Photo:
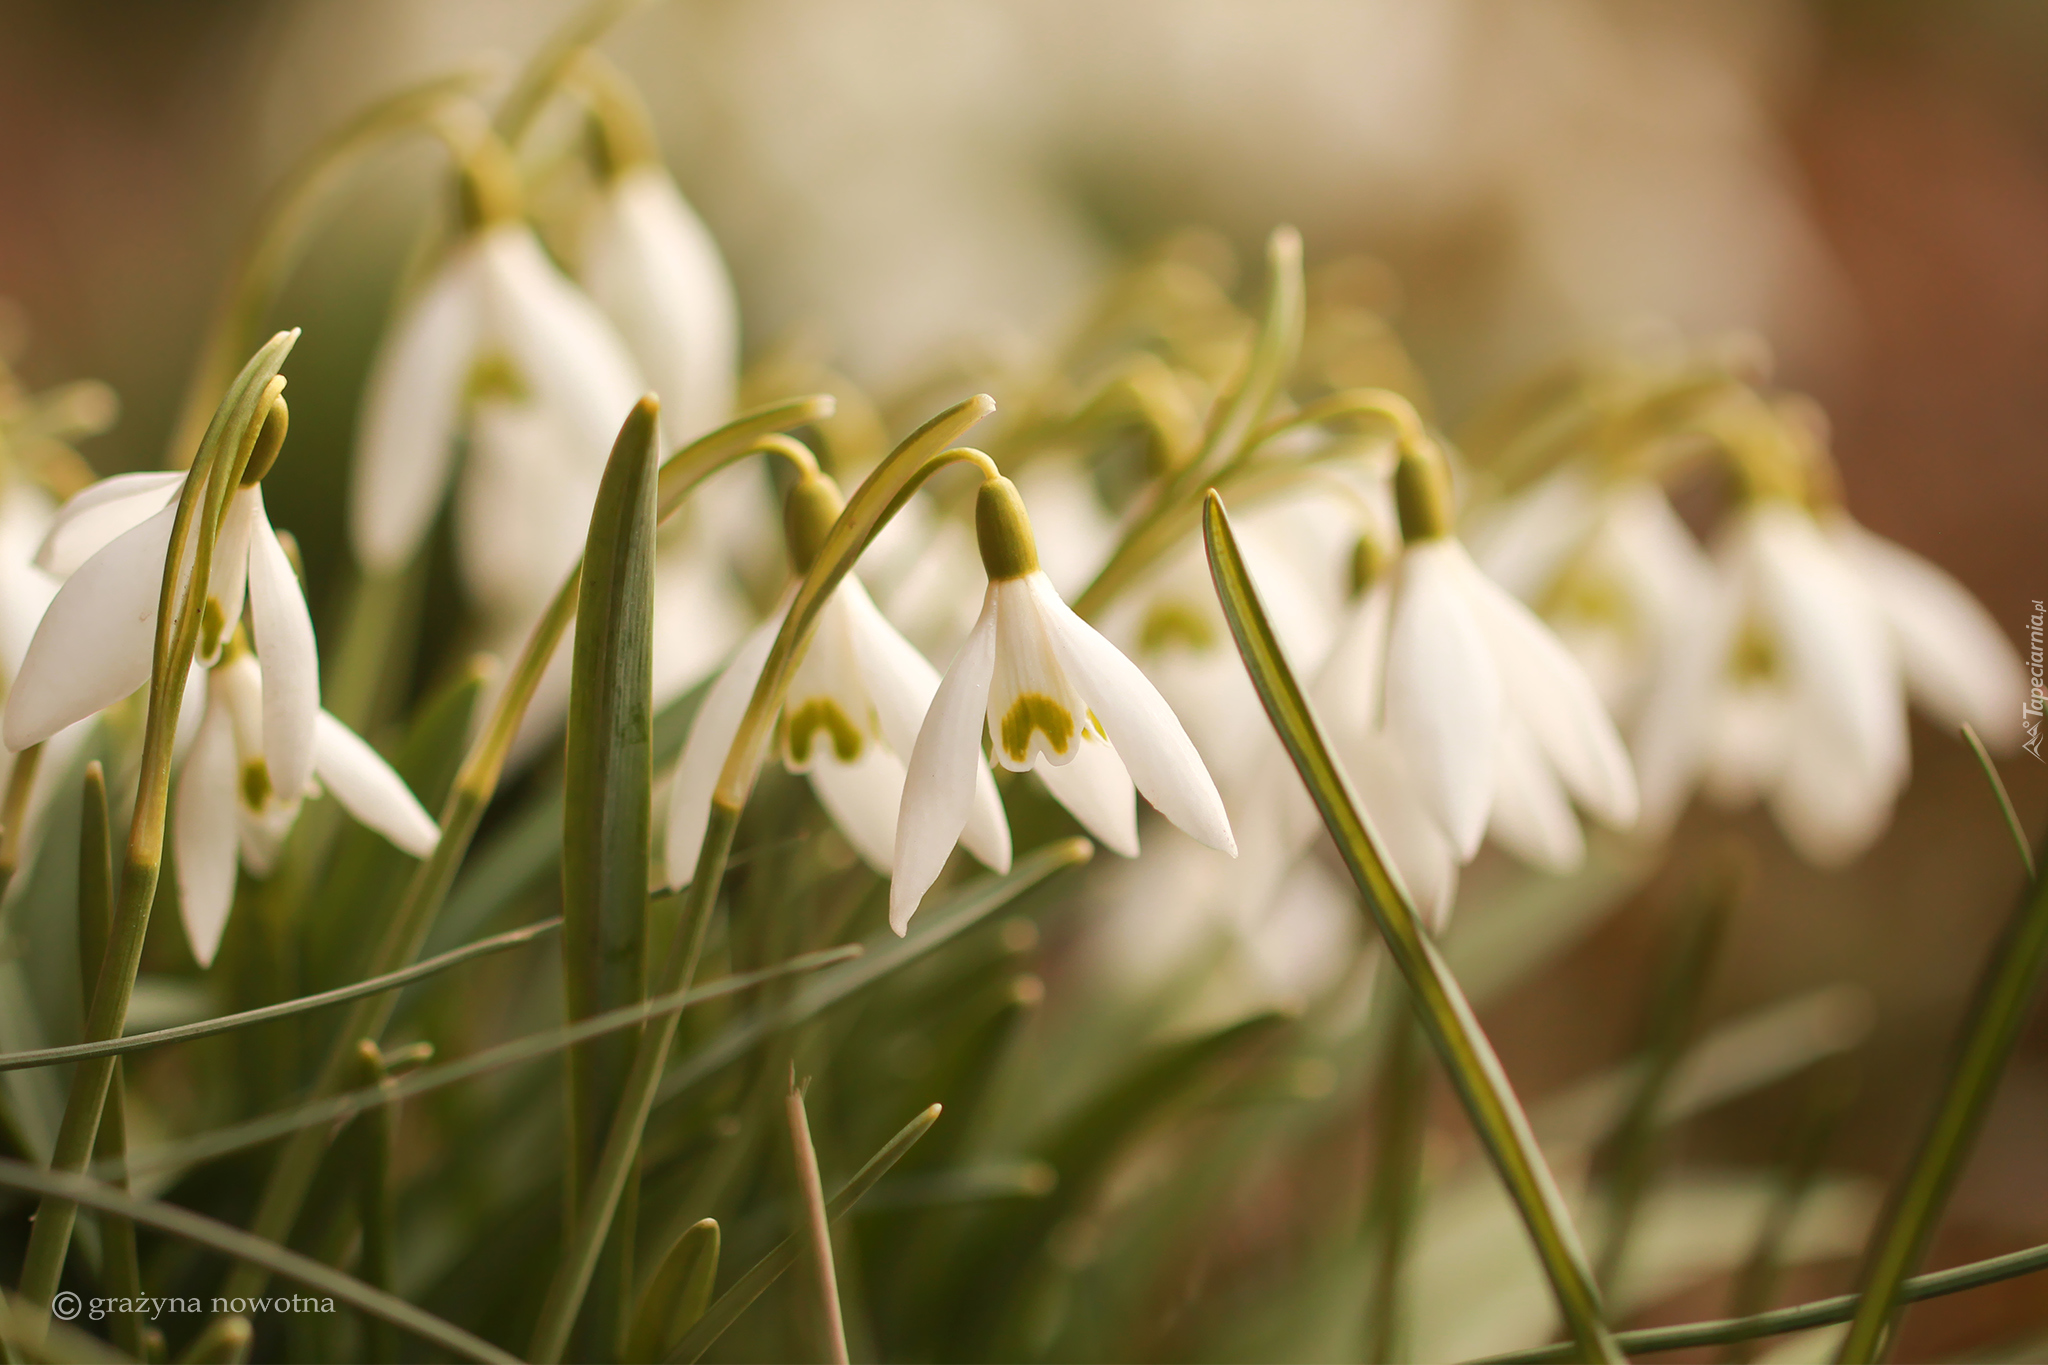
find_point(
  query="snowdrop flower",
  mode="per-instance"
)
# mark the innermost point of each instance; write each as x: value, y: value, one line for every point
x: 1497, y: 725
x: 852, y: 712
x: 1794, y: 689
x: 246, y: 774
x: 1055, y: 697
x: 500, y: 345
x: 263, y: 738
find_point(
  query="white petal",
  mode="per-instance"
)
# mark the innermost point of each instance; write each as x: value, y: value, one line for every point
x: 95, y: 515
x: 1524, y: 544
x: 1035, y: 708
x: 1348, y: 686
x: 523, y: 510
x: 862, y: 798
x: 412, y: 403
x: 1673, y: 736
x: 1418, y: 852
x: 203, y: 834
x: 358, y: 777
x: 563, y: 348
x: 712, y: 731
x: 291, y: 661
x: 652, y: 267
x: 939, y: 777
x: 1830, y: 811
x: 96, y: 642
x: 827, y: 710
x: 1443, y: 706
x: 1532, y: 818
x: 900, y: 686
x: 1148, y: 737
x: 1096, y: 789
x: 1958, y: 663
x: 1548, y: 690
x: 227, y: 574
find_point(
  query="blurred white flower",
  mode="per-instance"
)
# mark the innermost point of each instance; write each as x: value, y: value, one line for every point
x: 1793, y: 690
x: 1495, y: 722
x: 1050, y: 691
x: 246, y: 774
x: 854, y: 706
x: 500, y: 345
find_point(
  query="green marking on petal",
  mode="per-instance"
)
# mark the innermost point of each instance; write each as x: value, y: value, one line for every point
x: 822, y: 713
x: 1036, y: 711
x: 1755, y: 657
x: 495, y: 376
x: 255, y: 784
x: 1171, y: 622
x: 1592, y: 597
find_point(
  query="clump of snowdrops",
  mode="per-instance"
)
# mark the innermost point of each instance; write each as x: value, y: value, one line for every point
x: 484, y: 983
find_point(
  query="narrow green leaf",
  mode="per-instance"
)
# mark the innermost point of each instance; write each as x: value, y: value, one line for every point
x: 770, y: 1268
x: 1796, y: 1318
x: 29, y: 1334
x: 140, y: 1042
x: 608, y: 786
x: 226, y: 1341
x: 676, y: 1294
x: 2004, y: 798
x: 232, y: 1241
x: 1998, y: 1010
x: 1446, y: 1016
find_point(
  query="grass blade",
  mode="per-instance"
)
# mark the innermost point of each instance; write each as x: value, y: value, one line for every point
x: 1997, y: 1013
x: 817, y: 1225
x: 676, y: 1294
x: 770, y: 1268
x: 140, y: 1042
x: 232, y: 1241
x: 2005, y: 807
x: 1467, y: 1056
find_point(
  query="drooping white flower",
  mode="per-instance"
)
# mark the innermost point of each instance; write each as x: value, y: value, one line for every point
x: 854, y: 706
x: 501, y: 345
x: 1055, y: 697
x: 244, y: 779
x: 1495, y: 722
x: 651, y: 265
x: 262, y: 738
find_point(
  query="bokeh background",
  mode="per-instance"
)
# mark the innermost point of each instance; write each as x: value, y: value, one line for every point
x: 1864, y: 184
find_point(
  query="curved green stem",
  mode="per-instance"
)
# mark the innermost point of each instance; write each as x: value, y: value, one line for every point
x: 223, y: 455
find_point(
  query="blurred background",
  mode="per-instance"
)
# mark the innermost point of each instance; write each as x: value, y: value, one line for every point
x: 894, y: 184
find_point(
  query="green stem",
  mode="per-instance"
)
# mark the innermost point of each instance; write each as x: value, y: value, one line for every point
x: 1997, y: 1013
x: 1397, y: 1176
x: 376, y: 1131
x: 289, y: 1180
x: 1445, y: 1014
x: 2004, y: 798
x: 21, y: 782
x: 224, y: 454
x: 122, y: 1269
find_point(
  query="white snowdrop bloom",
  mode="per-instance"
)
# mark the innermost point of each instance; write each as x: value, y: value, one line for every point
x: 1055, y: 697
x: 1496, y: 723
x: 855, y: 701
x: 245, y: 775
x: 651, y: 265
x: 1794, y: 689
x: 95, y: 643
x: 500, y: 345
x: 854, y: 706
